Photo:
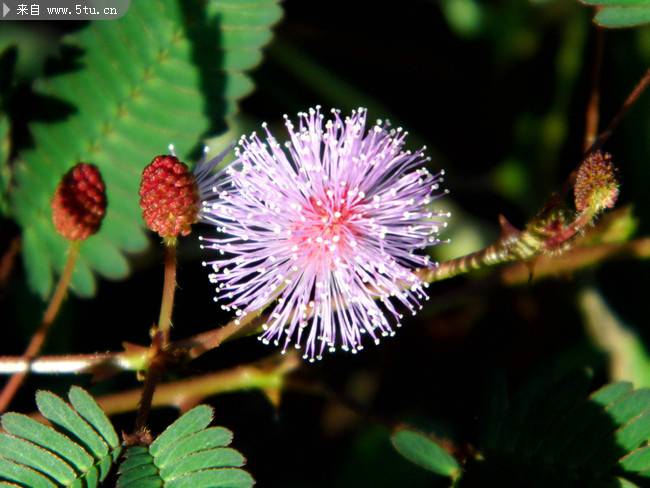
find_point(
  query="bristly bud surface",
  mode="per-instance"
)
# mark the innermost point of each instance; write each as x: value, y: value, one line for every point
x: 169, y: 197
x: 596, y: 185
x: 79, y: 202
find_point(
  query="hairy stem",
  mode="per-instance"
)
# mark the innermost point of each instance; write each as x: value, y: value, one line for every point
x: 39, y: 337
x: 490, y: 256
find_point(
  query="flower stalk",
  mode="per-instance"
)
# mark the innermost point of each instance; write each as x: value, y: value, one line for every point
x: 39, y: 337
x: 169, y: 289
x: 160, y: 340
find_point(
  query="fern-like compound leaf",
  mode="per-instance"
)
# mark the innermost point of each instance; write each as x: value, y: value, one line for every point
x: 189, y: 454
x: 77, y: 451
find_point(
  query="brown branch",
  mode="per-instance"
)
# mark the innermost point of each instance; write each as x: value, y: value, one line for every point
x: 573, y: 260
x: 38, y: 339
x: 544, y: 234
x: 529, y: 243
x: 199, y: 344
x: 592, y: 114
x: 154, y: 373
x: 76, y: 363
x: 631, y: 99
x: 8, y: 260
x: 134, y: 357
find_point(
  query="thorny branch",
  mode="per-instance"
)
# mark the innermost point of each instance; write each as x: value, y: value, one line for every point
x: 538, y: 238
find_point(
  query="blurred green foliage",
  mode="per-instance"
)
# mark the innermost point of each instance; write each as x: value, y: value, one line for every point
x: 165, y: 73
x: 552, y: 434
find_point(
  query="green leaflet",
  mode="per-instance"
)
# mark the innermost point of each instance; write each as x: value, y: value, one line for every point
x: 20, y: 473
x: 621, y: 13
x: 193, y: 421
x: 426, y: 453
x: 65, y: 417
x: 205, y: 439
x: 168, y: 72
x: 81, y: 447
x: 187, y: 454
x: 37, y: 433
x: 86, y: 406
x: 617, y: 3
x: 77, y: 451
x: 615, y: 17
x: 221, y: 457
x: 35, y: 457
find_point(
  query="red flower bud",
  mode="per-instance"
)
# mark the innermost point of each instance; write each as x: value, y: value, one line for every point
x: 79, y: 203
x: 169, y: 197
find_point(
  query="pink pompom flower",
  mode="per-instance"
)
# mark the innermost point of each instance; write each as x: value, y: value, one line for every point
x: 328, y: 228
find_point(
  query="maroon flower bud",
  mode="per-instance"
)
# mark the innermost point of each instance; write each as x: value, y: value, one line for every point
x: 79, y: 203
x: 169, y: 197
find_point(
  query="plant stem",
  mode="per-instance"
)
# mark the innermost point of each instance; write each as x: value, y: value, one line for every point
x: 592, y: 115
x: 8, y: 260
x: 517, y: 273
x: 199, y: 344
x: 490, y: 256
x: 159, y: 343
x: 190, y: 391
x: 39, y: 337
x: 154, y: 375
x: 135, y: 358
x: 74, y: 363
x: 574, y: 260
x: 169, y: 289
x: 631, y: 99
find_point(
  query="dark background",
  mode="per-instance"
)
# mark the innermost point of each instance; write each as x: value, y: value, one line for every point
x: 501, y: 106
